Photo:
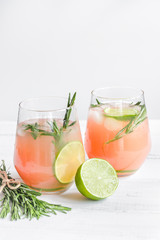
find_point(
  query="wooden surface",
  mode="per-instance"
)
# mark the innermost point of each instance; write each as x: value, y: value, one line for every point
x: 133, y: 212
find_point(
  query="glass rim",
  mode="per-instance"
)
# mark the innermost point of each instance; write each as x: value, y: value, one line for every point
x: 141, y: 93
x: 42, y: 110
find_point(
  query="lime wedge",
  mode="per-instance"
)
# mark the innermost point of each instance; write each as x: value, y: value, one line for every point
x: 123, y: 114
x: 96, y: 179
x: 68, y: 160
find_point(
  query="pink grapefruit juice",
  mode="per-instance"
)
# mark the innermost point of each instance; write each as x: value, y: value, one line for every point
x: 125, y: 154
x: 34, y: 158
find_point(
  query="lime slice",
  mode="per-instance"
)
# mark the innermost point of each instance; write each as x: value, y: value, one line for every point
x: 68, y: 160
x: 96, y: 179
x: 123, y: 114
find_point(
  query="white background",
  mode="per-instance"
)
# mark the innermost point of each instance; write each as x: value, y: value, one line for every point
x: 50, y: 47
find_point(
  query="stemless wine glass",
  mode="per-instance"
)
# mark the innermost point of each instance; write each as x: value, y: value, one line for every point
x: 48, y: 147
x: 117, y: 128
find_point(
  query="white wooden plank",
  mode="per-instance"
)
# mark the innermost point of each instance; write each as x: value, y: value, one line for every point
x: 84, y: 225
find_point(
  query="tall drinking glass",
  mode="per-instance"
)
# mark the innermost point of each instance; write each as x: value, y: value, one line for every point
x: 48, y: 149
x: 117, y: 128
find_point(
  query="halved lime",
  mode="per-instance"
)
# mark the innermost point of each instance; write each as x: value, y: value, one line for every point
x: 68, y: 160
x: 123, y: 114
x: 96, y: 179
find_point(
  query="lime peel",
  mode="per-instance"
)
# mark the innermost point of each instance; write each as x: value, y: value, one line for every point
x: 123, y: 114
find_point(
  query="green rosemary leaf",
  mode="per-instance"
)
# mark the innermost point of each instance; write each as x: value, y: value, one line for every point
x: 72, y: 124
x: 33, y: 128
x: 5, y: 207
x: 55, y: 128
x: 69, y: 99
x: 137, y: 104
x: 47, y: 134
x: 73, y: 99
x: 96, y: 105
x: 98, y: 102
x: 93, y: 105
x: 4, y: 166
x: 68, y: 110
x: 34, y: 135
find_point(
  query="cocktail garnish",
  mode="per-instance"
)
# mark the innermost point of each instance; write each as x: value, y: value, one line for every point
x: 68, y: 111
x: 134, y: 122
x: 56, y: 132
x: 22, y: 201
x: 96, y: 105
x: 34, y: 129
x: 96, y: 179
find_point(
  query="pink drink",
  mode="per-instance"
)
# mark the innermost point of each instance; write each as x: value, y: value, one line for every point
x: 126, y: 154
x: 34, y: 158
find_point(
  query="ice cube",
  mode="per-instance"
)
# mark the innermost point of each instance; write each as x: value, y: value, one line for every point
x: 113, y: 124
x: 20, y: 132
x: 96, y: 115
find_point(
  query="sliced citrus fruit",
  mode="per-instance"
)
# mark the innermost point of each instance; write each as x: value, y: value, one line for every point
x: 123, y: 114
x: 68, y: 160
x: 96, y: 179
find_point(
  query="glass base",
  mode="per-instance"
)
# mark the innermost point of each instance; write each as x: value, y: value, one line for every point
x: 50, y: 191
x: 125, y: 173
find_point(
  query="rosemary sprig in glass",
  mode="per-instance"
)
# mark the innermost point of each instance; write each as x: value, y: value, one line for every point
x: 68, y: 111
x: 96, y: 105
x: 134, y: 122
x: 23, y: 202
x: 56, y: 132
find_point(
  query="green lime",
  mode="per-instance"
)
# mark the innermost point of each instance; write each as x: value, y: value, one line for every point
x: 123, y: 114
x: 96, y: 179
x: 68, y: 160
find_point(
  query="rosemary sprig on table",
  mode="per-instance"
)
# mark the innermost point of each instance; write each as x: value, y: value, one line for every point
x: 56, y: 132
x: 23, y: 202
x: 134, y: 122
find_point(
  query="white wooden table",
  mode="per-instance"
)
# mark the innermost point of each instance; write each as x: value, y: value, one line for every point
x: 133, y: 212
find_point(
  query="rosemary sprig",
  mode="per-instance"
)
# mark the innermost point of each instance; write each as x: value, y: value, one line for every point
x: 23, y: 202
x: 56, y: 132
x: 34, y: 129
x: 134, y: 122
x: 96, y: 105
x: 68, y: 111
